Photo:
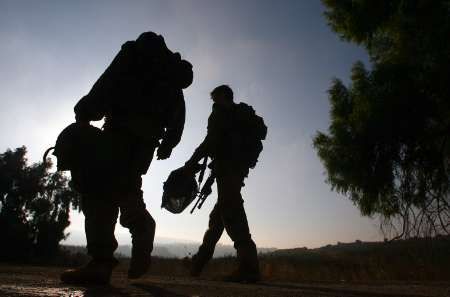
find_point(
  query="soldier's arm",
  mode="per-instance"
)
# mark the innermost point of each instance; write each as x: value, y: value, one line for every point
x: 207, y: 145
x: 97, y: 102
x: 200, y: 152
x: 175, y: 123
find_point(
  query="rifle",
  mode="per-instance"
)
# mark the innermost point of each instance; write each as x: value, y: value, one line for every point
x: 206, y: 189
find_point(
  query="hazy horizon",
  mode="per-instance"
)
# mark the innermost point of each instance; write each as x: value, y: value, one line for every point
x: 279, y: 57
x: 77, y: 239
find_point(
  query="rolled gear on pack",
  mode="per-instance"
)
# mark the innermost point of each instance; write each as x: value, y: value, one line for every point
x: 156, y: 59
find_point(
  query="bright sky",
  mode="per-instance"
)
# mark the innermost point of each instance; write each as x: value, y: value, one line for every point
x: 278, y: 56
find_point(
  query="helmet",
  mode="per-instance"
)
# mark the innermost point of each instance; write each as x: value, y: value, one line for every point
x: 179, y: 190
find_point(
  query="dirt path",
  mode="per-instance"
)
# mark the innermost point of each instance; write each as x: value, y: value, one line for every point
x: 44, y: 281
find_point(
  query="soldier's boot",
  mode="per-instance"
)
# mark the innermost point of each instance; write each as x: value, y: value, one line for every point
x: 197, y: 264
x: 248, y: 269
x: 141, y: 250
x: 96, y: 272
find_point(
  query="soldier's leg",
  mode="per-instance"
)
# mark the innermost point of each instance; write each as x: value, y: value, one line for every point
x: 210, y: 239
x: 100, y: 220
x: 132, y: 159
x: 235, y: 222
x: 135, y: 217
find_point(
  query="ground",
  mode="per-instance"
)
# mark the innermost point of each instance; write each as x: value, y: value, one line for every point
x: 36, y: 281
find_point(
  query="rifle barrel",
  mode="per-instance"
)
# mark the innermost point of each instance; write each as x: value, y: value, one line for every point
x: 195, y: 206
x: 201, y: 203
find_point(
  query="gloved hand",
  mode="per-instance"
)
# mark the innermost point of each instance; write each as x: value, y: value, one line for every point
x: 191, y: 167
x: 163, y: 152
x: 206, y: 191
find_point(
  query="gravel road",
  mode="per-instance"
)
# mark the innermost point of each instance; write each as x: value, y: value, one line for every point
x: 44, y: 281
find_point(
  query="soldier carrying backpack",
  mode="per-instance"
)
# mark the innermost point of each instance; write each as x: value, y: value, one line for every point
x: 140, y: 98
x: 234, y: 142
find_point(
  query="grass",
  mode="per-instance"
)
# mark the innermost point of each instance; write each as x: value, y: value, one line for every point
x: 404, y: 260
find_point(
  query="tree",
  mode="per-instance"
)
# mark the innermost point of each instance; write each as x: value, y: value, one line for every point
x: 34, y: 207
x: 387, y: 147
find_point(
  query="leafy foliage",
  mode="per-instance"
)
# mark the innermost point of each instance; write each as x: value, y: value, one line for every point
x: 34, y: 207
x: 388, y: 146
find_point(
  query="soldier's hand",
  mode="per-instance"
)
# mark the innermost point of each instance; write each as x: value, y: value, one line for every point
x: 189, y: 168
x: 163, y: 152
x: 206, y: 191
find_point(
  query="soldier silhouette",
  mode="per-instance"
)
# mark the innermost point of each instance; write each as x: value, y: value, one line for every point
x: 233, y: 141
x: 141, y: 100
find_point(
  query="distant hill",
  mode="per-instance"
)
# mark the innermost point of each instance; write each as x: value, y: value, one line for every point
x: 360, y: 247
x: 173, y: 250
x: 165, y: 247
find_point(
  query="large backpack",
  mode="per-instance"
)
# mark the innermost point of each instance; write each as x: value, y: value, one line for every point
x: 251, y: 131
x: 143, y: 78
x: 84, y: 151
